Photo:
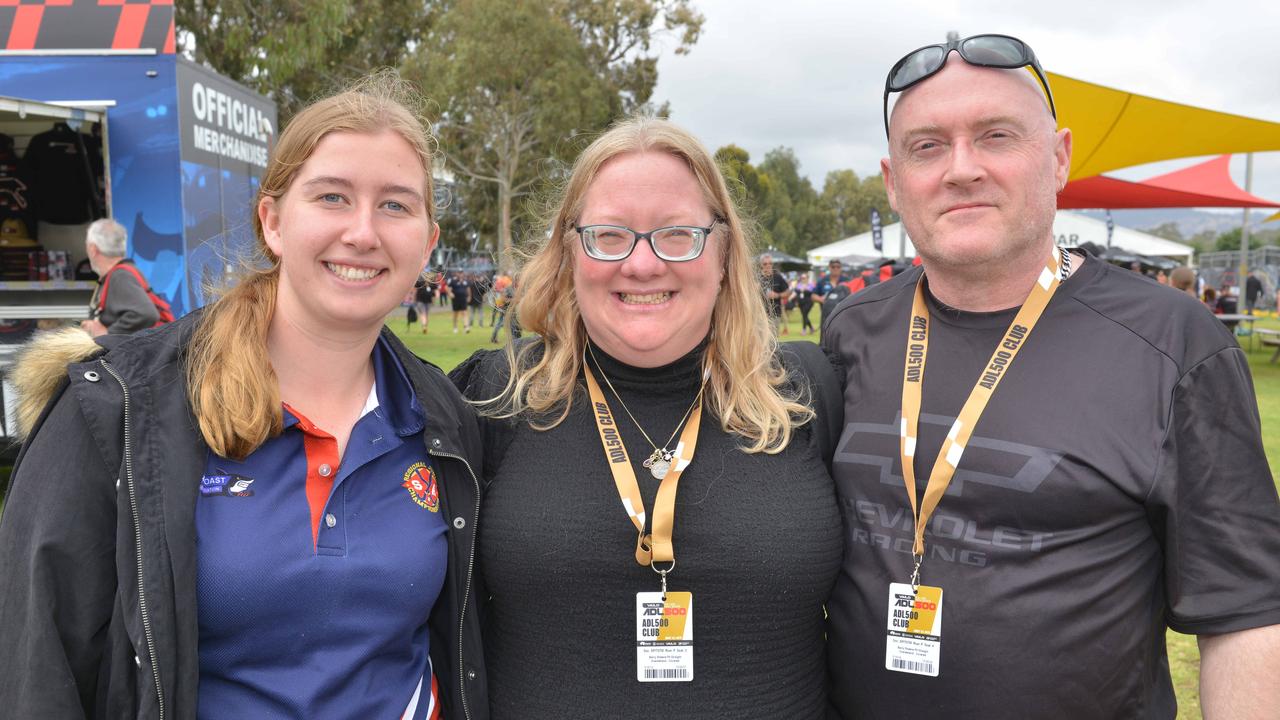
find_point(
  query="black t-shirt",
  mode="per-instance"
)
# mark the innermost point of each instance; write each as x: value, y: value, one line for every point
x: 776, y: 283
x: 460, y: 290
x: 835, y: 292
x: 57, y: 165
x: 1115, y: 482
x: 423, y: 291
x: 13, y: 187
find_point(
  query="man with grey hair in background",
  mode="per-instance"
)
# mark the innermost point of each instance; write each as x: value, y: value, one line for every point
x: 1047, y: 461
x: 120, y: 304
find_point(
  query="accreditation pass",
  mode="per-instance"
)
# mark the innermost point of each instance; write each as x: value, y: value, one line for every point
x: 664, y: 637
x: 914, y: 644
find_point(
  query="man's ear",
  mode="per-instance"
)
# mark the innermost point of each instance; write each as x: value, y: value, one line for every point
x: 886, y: 172
x: 1062, y: 155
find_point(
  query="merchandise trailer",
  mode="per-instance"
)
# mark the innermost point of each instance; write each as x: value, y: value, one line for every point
x: 100, y: 118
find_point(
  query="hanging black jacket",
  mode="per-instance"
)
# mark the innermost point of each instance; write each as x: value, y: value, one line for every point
x: 98, y: 545
x: 62, y: 171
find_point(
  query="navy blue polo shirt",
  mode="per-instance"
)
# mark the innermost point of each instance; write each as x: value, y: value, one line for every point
x: 315, y: 578
x: 824, y: 285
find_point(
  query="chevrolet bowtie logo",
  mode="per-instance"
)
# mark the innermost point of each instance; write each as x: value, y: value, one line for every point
x: 876, y: 445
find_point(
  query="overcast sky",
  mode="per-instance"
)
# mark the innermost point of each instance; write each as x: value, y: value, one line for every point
x: 809, y: 74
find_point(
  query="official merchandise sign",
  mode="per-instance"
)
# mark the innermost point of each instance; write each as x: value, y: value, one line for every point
x: 222, y: 124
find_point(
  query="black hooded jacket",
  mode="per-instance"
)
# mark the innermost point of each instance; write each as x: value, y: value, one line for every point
x: 98, y: 543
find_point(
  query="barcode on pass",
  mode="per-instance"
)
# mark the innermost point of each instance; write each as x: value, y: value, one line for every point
x: 665, y: 673
x: 912, y: 665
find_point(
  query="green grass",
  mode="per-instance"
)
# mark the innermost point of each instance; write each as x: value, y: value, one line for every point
x: 445, y: 349
x: 440, y: 344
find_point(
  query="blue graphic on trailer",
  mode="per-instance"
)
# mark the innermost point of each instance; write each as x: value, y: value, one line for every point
x: 185, y: 147
x: 220, y: 243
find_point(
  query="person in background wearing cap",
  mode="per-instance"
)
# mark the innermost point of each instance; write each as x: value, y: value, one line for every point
x: 1047, y: 461
x: 127, y: 308
x: 831, y: 289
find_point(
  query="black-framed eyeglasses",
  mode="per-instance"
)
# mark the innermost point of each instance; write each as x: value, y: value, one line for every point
x: 677, y: 243
x: 991, y: 51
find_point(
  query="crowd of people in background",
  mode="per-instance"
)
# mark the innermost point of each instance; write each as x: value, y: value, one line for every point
x: 784, y: 290
x: 1222, y: 300
x: 797, y: 289
x: 467, y: 294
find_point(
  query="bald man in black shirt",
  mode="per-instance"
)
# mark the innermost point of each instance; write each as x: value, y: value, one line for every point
x: 1079, y: 447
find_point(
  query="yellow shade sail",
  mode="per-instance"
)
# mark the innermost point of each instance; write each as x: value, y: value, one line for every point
x: 1114, y: 129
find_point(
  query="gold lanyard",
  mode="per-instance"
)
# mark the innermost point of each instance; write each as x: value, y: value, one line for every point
x: 656, y: 547
x: 944, y: 467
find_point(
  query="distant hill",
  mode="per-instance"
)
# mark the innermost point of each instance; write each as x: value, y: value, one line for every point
x: 1190, y: 222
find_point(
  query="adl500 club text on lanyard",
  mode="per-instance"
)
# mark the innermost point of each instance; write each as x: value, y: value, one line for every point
x: 664, y: 620
x: 914, y: 642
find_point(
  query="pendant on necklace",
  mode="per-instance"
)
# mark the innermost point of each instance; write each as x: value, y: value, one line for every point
x: 659, y: 463
x: 659, y: 469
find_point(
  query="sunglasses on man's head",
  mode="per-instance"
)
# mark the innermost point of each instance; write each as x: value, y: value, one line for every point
x: 992, y: 51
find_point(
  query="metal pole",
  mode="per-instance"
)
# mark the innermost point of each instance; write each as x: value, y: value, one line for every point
x: 902, y: 241
x: 1243, y: 272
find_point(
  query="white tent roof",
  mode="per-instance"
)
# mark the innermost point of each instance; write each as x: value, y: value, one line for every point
x: 1069, y: 228
x: 860, y: 246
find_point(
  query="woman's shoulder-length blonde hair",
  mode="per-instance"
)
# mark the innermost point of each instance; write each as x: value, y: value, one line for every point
x: 747, y: 387
x: 231, y: 386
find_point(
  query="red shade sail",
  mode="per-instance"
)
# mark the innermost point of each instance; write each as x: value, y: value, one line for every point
x: 1207, y: 184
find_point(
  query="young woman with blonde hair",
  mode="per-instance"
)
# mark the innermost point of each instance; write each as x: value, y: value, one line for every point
x: 655, y: 362
x: 270, y: 499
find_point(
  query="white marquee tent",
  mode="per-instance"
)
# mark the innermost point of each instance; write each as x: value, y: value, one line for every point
x: 1069, y: 228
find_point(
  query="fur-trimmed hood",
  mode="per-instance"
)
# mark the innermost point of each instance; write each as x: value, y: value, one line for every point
x: 41, y: 367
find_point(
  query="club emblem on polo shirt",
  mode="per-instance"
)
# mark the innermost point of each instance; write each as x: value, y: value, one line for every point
x: 420, y: 481
x: 226, y: 485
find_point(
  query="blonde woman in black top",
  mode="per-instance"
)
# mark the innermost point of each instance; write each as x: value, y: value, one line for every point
x: 611, y: 590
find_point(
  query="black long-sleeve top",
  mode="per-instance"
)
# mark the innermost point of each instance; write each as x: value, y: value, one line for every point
x: 757, y: 541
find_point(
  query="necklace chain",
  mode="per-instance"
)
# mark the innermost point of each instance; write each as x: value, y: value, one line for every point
x: 658, y: 452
